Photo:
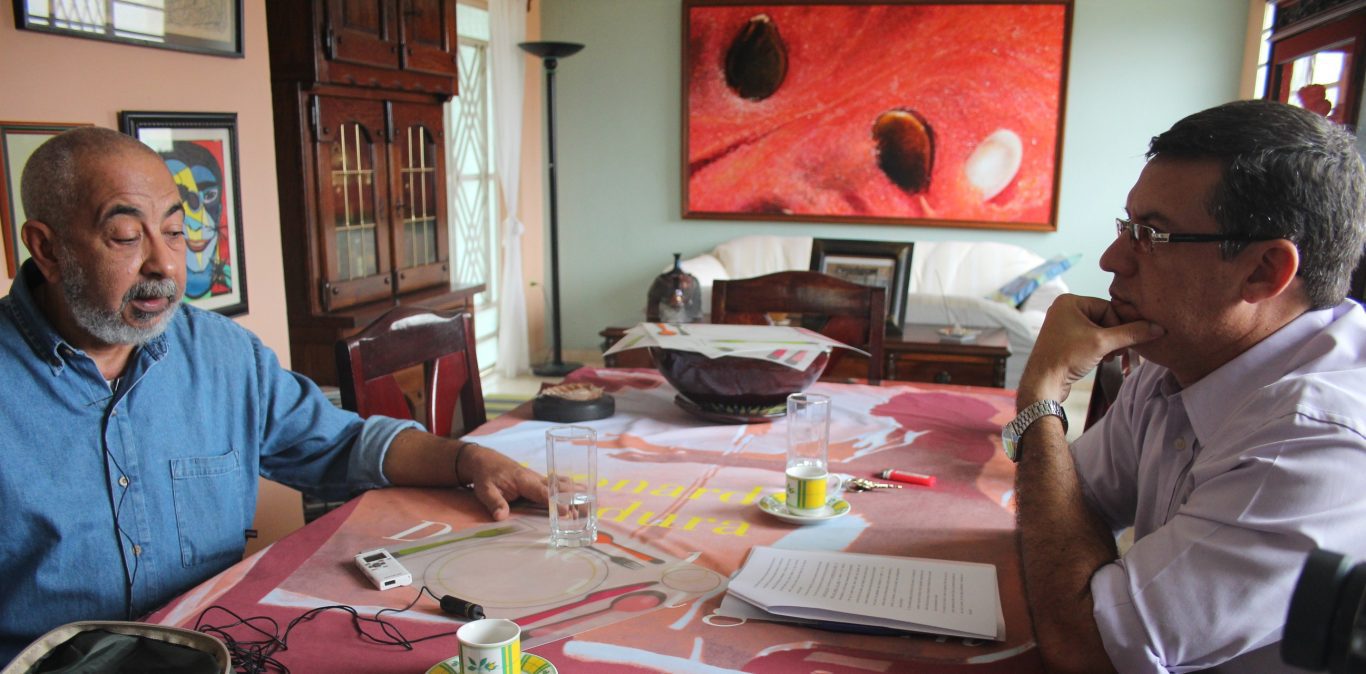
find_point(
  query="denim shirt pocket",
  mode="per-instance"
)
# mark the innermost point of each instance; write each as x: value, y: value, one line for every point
x: 208, y: 507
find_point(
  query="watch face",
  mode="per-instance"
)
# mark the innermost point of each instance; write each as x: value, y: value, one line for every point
x: 1010, y: 441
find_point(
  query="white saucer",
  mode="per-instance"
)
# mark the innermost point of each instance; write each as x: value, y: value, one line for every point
x: 774, y: 504
x: 531, y: 664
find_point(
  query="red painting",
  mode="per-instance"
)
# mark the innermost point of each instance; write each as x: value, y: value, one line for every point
x: 898, y: 113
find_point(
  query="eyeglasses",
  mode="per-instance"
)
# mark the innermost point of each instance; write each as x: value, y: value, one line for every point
x: 1144, y: 237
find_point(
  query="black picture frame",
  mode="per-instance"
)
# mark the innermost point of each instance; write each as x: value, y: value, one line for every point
x: 886, y: 264
x: 190, y: 142
x: 211, y: 27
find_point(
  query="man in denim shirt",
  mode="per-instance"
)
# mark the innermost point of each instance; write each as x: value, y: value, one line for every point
x: 134, y: 427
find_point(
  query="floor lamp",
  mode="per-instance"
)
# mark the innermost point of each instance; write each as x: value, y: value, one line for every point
x: 550, y: 53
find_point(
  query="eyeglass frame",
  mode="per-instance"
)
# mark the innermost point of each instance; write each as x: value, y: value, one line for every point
x: 1156, y: 236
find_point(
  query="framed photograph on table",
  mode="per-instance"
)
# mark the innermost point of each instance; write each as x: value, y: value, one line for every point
x: 202, y: 26
x: 917, y: 112
x: 18, y: 140
x: 885, y: 264
x: 200, y: 150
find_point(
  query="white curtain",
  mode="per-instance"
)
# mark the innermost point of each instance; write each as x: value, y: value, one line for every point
x: 507, y: 27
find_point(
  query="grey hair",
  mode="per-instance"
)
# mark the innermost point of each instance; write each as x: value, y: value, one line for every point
x: 52, y: 179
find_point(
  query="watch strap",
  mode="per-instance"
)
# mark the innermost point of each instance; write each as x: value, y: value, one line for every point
x: 1015, y: 430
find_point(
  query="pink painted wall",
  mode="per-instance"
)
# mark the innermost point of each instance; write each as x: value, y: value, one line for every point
x: 52, y: 78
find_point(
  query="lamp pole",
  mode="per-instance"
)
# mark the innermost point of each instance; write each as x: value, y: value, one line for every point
x: 550, y: 53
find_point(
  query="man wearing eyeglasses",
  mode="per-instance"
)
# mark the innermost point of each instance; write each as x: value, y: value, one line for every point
x: 1240, y: 444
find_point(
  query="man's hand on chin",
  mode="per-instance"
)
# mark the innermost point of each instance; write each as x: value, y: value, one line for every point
x: 1077, y: 334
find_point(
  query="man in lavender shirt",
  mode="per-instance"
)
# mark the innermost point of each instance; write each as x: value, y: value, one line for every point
x: 1238, y: 445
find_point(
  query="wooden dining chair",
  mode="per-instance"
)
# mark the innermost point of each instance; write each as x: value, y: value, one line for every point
x: 1110, y: 375
x: 851, y: 313
x: 411, y: 363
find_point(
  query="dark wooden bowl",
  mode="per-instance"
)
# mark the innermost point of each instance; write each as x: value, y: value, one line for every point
x: 731, y: 384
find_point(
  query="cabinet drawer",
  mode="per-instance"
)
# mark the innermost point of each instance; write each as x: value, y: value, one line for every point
x: 947, y: 369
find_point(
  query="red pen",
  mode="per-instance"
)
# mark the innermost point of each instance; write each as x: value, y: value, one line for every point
x: 907, y: 477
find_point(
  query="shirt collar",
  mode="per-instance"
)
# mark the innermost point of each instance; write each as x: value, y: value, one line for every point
x: 39, y: 333
x: 1220, y: 393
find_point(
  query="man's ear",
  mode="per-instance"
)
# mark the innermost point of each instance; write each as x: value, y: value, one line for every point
x: 41, y: 241
x: 1272, y: 269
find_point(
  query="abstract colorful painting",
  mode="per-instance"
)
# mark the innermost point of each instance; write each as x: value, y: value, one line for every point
x: 200, y: 150
x: 924, y: 113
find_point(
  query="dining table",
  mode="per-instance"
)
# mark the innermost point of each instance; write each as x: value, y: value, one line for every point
x: 679, y: 511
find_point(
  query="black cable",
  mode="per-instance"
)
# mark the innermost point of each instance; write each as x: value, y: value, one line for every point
x: 257, y: 656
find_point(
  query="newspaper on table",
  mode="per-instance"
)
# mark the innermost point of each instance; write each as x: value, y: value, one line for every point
x: 790, y: 346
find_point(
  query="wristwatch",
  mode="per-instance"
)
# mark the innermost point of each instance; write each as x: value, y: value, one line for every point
x: 1013, y: 431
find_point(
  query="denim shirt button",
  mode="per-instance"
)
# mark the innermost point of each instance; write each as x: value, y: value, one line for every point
x: 137, y: 550
x: 123, y: 480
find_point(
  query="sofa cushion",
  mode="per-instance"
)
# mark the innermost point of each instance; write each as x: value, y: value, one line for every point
x: 1015, y: 291
x: 967, y: 267
x: 756, y: 255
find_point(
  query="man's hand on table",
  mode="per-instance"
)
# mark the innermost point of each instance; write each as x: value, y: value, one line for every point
x: 1077, y: 334
x: 498, y: 480
x: 420, y: 459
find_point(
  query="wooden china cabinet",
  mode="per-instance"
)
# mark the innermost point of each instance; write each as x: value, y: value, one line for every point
x: 358, y: 89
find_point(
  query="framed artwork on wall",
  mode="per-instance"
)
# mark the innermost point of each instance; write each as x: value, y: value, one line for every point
x: 200, y: 150
x: 906, y: 112
x: 203, y: 26
x: 18, y: 140
x: 886, y: 264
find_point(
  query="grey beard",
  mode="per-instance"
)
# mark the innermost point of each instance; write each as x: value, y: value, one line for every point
x: 109, y: 326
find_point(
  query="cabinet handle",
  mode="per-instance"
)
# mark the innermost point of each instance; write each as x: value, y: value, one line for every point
x: 943, y: 377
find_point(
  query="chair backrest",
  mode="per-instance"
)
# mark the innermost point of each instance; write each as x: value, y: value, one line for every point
x: 370, y: 365
x: 1109, y: 377
x: 851, y: 313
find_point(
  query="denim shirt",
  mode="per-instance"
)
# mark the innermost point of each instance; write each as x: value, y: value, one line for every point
x: 114, y: 502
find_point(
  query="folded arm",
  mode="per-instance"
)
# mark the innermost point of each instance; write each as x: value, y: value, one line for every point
x: 1061, y: 539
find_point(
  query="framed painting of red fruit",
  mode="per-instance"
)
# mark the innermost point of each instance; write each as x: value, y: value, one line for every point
x: 909, y: 112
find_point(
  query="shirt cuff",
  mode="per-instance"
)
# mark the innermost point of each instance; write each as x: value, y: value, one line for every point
x: 1122, y: 629
x: 372, y: 445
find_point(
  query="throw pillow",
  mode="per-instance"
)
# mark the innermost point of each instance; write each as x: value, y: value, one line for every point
x: 1018, y: 289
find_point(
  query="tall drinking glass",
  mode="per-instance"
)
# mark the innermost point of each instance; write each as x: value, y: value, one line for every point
x: 572, y: 470
x: 808, y: 438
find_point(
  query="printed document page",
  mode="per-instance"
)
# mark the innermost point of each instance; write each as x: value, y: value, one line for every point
x: 927, y: 595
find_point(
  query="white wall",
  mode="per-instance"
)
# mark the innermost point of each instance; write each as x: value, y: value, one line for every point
x: 1136, y: 67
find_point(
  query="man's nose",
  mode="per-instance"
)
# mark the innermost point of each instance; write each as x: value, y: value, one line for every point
x: 162, y: 259
x: 1118, y: 257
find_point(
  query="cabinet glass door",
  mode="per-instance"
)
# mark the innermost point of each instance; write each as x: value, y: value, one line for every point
x: 354, y: 221
x: 420, y: 197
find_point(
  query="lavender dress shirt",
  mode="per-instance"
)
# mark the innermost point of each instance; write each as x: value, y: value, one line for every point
x: 1228, y: 484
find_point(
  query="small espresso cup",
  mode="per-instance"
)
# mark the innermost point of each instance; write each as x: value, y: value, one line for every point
x: 809, y: 488
x: 490, y: 646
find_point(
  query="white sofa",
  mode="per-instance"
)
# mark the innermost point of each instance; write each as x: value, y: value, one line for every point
x: 949, y: 283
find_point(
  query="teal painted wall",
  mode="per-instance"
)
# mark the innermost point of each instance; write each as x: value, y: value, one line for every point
x: 1136, y: 67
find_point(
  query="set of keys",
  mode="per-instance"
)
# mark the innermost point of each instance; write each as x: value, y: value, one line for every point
x: 864, y: 484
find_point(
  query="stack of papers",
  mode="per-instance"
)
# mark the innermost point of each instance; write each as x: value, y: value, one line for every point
x: 793, y: 347
x: 870, y: 593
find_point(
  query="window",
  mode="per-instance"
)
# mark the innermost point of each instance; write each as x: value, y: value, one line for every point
x: 1264, y: 50
x: 1313, y: 58
x: 473, y: 190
